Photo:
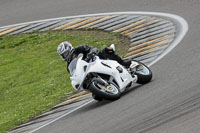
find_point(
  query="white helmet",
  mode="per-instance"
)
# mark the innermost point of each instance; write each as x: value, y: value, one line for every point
x: 65, y: 50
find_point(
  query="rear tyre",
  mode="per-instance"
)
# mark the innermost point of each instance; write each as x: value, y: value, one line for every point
x: 101, y: 92
x: 144, y: 74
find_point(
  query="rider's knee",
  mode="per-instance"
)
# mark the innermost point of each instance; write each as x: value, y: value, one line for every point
x: 109, y: 50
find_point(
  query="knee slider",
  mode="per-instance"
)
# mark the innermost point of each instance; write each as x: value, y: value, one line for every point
x: 109, y: 50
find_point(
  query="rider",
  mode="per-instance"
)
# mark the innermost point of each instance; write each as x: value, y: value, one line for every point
x: 68, y: 53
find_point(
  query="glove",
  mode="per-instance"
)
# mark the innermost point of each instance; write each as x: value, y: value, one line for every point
x: 92, y: 53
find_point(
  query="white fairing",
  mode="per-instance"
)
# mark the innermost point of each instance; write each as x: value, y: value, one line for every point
x: 109, y: 67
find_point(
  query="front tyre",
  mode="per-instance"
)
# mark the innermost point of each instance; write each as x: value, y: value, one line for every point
x: 107, y: 92
x: 144, y: 74
x: 95, y: 97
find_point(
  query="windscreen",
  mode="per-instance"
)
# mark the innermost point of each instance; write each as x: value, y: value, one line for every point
x: 72, y: 66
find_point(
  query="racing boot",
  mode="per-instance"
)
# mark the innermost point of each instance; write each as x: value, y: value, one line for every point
x: 133, y: 67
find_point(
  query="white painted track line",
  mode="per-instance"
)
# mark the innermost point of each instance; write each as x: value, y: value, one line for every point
x: 62, y: 116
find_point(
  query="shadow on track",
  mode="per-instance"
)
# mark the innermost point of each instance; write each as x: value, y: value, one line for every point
x: 96, y: 104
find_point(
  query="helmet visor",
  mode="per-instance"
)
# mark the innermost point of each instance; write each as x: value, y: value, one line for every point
x: 65, y: 54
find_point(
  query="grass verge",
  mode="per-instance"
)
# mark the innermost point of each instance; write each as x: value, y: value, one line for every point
x: 33, y: 78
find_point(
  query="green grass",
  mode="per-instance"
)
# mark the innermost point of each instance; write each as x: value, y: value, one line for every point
x: 33, y: 78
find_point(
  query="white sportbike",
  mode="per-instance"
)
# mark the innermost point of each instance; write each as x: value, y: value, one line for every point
x: 106, y: 79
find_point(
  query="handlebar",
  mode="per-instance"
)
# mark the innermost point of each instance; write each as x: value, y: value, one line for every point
x: 88, y: 58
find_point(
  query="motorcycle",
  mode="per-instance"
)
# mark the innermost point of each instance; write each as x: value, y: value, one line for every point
x: 106, y: 79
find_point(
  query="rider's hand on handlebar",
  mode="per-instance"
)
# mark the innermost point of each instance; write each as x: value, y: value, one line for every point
x: 91, y: 54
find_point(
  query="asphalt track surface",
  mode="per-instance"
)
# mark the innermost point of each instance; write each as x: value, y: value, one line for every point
x: 170, y: 103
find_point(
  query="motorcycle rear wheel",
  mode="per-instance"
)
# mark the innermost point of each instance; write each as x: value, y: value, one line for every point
x: 144, y: 74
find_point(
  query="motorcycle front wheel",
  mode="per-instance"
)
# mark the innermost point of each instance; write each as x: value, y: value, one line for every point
x: 144, y: 74
x: 107, y: 92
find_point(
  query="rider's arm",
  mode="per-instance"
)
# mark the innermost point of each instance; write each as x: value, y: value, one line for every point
x: 85, y: 49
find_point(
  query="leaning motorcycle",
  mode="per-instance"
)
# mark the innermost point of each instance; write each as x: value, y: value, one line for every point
x: 106, y: 79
